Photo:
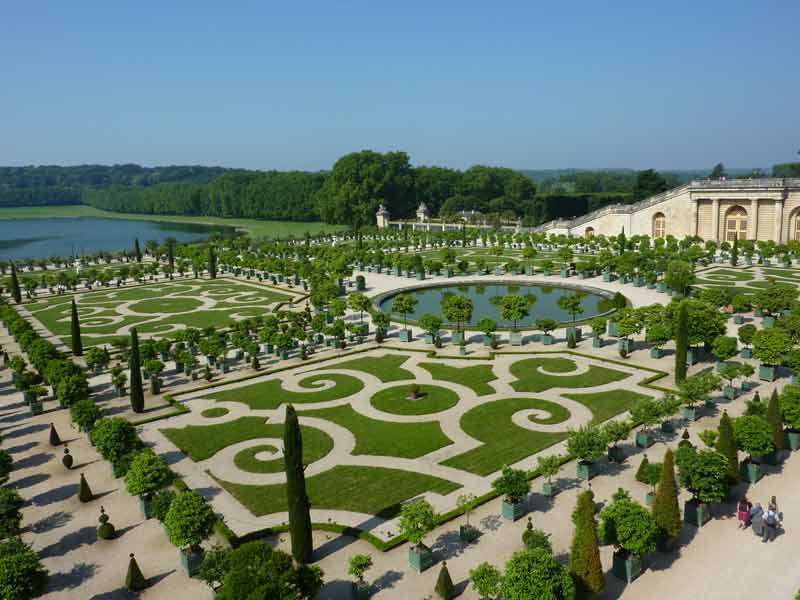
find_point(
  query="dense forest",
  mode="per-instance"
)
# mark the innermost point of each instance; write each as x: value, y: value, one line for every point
x: 349, y: 193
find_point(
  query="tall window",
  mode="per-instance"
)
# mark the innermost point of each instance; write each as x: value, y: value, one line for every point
x: 589, y: 232
x: 659, y: 226
x: 736, y: 224
x: 797, y: 228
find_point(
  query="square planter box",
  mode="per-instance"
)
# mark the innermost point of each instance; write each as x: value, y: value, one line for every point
x: 597, y: 342
x: 405, y: 335
x: 361, y: 591
x: 564, y: 273
x: 746, y: 353
x: 766, y: 373
x: 548, y: 489
x: 457, y: 338
x: 656, y: 352
x: 117, y: 470
x: 696, y: 513
x: 667, y: 427
x: 420, y: 276
x: 626, y: 568
x: 487, y: 340
x: 691, y: 356
x: 428, y: 338
x: 650, y: 498
x: 793, y: 440
x: 616, y: 454
x: 191, y: 561
x: 661, y: 287
x: 607, y: 277
x: 546, y: 339
x: 468, y: 533
x: 513, y: 511
x: 729, y: 392
x: 751, y: 471
x: 546, y: 272
x: 690, y: 413
x: 146, y: 506
x: 758, y: 312
x: 768, y: 322
x: 585, y: 470
x: 644, y: 439
x: 36, y: 407
x: 420, y: 558
x: 626, y: 344
x: 515, y: 338
x: 738, y: 319
x: 613, y: 329
x: 577, y: 331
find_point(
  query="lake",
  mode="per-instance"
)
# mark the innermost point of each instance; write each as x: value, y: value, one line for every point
x: 38, y: 238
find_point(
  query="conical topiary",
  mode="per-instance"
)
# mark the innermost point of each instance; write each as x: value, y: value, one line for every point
x: 67, y: 459
x: 684, y: 439
x: 726, y: 445
x: 641, y: 472
x: 585, y: 565
x: 444, y: 584
x: 85, y: 493
x: 666, y: 512
x: 775, y: 420
x: 105, y: 531
x: 55, y: 440
x: 134, y: 580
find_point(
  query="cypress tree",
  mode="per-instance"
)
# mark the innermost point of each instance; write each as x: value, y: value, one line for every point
x: 15, y: 291
x: 681, y: 343
x: 171, y: 255
x: 775, y: 421
x: 134, y: 580
x: 584, y: 564
x: 137, y: 392
x: 666, y: 512
x: 726, y: 445
x: 55, y: 440
x: 137, y: 252
x: 77, y: 343
x: 85, y: 493
x: 299, y: 506
x: 212, y: 263
x: 444, y: 584
x: 735, y: 251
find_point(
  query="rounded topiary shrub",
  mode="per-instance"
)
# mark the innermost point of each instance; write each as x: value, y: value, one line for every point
x: 189, y: 520
x: 162, y: 500
x: 22, y: 575
x: 147, y: 473
x: 105, y: 531
x: 114, y: 437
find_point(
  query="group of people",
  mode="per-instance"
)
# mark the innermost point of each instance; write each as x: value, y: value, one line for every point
x: 764, y: 522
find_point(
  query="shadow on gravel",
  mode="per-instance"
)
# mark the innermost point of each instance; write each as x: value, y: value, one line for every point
x: 72, y: 579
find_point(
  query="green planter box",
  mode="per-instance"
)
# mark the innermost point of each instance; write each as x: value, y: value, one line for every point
x: 468, y: 533
x: 626, y: 567
x: 546, y: 339
x: 626, y: 344
x: 585, y: 470
x: 36, y: 407
x: 616, y: 454
x: 597, y: 342
x: 515, y: 338
x: 577, y: 331
x: 117, y: 470
x: 690, y: 413
x: 564, y: 273
x: 746, y: 353
x: 487, y: 340
x: 751, y: 471
x: 420, y: 276
x: 768, y: 322
x: 696, y: 513
x: 661, y: 287
x: 667, y: 427
x: 729, y: 392
x: 457, y: 338
x: 644, y: 439
x: 613, y: 329
x: 738, y: 319
x: 548, y: 489
x: 691, y: 357
x: 191, y: 561
x: 766, y: 373
x: 513, y: 511
x: 793, y: 440
x: 650, y: 498
x: 405, y: 335
x: 428, y: 338
x: 420, y: 558
x: 146, y: 506
x: 607, y: 276
x: 656, y: 353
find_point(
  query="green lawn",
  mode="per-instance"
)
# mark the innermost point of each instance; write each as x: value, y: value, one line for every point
x: 505, y: 443
x: 201, y: 442
x: 386, y: 368
x: 476, y: 378
x: 431, y: 399
x: 370, y: 490
x: 270, y: 394
x: 605, y: 405
x: 246, y: 460
x: 212, y: 413
x: 530, y: 379
x: 157, y: 306
x: 384, y: 438
x: 255, y: 228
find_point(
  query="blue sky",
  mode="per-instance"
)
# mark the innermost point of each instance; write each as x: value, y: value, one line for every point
x: 297, y: 84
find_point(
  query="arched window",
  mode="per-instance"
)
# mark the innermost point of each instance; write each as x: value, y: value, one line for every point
x: 589, y: 232
x: 797, y: 229
x: 659, y: 226
x: 735, y: 224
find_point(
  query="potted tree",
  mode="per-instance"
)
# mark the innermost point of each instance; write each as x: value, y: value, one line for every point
x: 740, y: 304
x: 648, y: 413
x: 615, y: 432
x: 649, y: 474
x: 514, y: 485
x: 549, y: 466
x: 404, y: 304
x: 629, y: 322
x: 115, y: 438
x: 571, y: 304
x: 746, y: 334
x: 431, y: 323
x: 696, y: 389
x: 704, y: 473
x: 85, y: 413
x: 724, y: 348
x: 546, y: 326
x: 586, y: 444
x: 189, y: 520
x: 754, y: 437
x: 789, y: 402
x: 730, y: 372
x: 146, y: 474
x: 486, y: 580
x: 657, y: 336
x: 118, y: 379
x: 358, y: 565
x: 466, y: 532
x: 155, y: 367
x: 599, y: 326
x: 216, y: 565
x: 457, y: 309
x: 514, y: 307
x: 36, y: 393
x: 769, y: 346
x: 417, y: 519
x: 633, y: 532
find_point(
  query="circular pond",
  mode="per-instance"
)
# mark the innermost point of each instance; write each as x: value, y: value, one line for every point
x: 543, y: 301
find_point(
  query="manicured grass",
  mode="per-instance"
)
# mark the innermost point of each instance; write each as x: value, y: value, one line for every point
x: 386, y: 368
x: 201, y: 442
x: 212, y: 413
x: 505, y: 443
x: 476, y: 378
x: 431, y: 399
x: 530, y: 379
x: 158, y: 306
x: 728, y: 275
x: 370, y: 490
x: 270, y: 394
x: 605, y: 405
x: 384, y: 438
x: 786, y: 273
x: 255, y: 228
x: 246, y: 460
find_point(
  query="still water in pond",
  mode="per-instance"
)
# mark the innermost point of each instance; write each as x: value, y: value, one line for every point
x: 484, y: 297
x: 39, y: 238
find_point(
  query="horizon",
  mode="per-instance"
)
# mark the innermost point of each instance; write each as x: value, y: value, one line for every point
x: 288, y: 88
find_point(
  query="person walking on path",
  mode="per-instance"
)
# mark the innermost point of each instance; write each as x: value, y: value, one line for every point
x: 744, y: 512
x: 770, y: 524
x: 757, y: 519
x: 773, y: 504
